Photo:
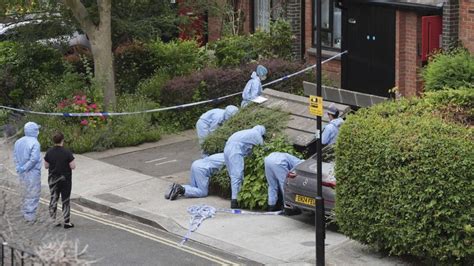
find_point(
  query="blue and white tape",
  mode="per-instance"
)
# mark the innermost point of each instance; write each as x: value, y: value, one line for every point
x: 199, y: 213
x: 215, y: 100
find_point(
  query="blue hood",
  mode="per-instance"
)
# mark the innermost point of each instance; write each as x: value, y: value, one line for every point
x: 32, y: 129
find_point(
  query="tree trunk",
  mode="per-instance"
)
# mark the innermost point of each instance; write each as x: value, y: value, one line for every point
x: 100, y: 37
x: 101, y: 46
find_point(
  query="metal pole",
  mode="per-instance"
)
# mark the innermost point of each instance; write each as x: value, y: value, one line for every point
x: 320, y: 226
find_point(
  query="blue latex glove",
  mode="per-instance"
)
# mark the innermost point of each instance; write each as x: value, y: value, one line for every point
x: 20, y: 169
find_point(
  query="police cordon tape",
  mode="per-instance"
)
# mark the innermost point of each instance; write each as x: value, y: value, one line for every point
x: 199, y: 213
x: 182, y: 106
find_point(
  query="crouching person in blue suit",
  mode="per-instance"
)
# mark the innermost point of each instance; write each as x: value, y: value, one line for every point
x: 237, y: 147
x: 277, y: 166
x: 201, y: 172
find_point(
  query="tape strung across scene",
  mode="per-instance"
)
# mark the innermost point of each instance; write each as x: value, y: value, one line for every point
x: 215, y: 100
x: 199, y: 213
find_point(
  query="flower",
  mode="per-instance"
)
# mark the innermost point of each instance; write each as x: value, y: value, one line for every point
x: 93, y: 106
x: 84, y: 122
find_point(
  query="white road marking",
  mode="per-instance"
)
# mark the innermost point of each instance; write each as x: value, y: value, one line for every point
x: 172, y: 161
x: 144, y: 234
x: 155, y: 160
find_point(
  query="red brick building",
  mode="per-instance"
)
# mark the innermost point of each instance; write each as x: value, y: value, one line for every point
x: 388, y: 40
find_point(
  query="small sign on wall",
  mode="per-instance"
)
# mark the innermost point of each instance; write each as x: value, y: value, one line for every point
x: 316, y: 105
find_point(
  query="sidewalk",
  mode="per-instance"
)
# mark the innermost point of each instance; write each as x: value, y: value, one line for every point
x: 266, y: 239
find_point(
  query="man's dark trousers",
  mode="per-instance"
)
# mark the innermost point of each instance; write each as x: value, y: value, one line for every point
x: 60, y: 186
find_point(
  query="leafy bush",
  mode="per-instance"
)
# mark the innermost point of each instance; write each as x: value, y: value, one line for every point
x: 249, y: 117
x: 276, y: 43
x: 234, y: 50
x: 178, y: 58
x: 112, y: 132
x: 254, y: 190
x: 3, y: 116
x: 405, y: 180
x: 133, y: 63
x: 152, y: 87
x: 133, y: 129
x: 26, y: 70
x: 450, y: 69
x: 241, y: 49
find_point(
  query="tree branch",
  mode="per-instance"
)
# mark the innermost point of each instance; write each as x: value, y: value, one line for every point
x: 80, y: 13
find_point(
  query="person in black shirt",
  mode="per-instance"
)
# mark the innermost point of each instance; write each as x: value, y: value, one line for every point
x: 60, y: 161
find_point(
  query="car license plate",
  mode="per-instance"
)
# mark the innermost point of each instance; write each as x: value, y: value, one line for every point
x: 305, y: 200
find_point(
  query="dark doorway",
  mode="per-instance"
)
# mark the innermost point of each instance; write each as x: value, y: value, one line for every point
x: 369, y: 36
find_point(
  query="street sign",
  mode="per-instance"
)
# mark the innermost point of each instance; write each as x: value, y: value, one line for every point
x: 316, y: 105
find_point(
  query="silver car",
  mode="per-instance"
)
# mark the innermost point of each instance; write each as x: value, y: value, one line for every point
x: 300, y: 186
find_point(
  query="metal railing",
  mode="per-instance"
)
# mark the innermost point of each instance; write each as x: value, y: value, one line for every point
x: 10, y: 255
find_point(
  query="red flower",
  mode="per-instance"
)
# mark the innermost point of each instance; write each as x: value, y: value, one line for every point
x: 93, y: 106
x: 84, y: 122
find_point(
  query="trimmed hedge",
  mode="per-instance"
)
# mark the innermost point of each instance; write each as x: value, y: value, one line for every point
x: 210, y: 83
x: 405, y: 180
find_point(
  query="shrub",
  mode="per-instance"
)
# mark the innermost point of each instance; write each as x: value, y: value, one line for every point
x: 152, y: 87
x: 219, y: 82
x: 133, y: 129
x: 133, y: 63
x: 248, y: 117
x: 102, y: 134
x: 4, y: 116
x: 275, y: 44
x: 234, y: 50
x: 254, y: 191
x: 177, y: 58
x: 241, y: 49
x: 450, y: 69
x: 26, y: 70
x: 405, y: 181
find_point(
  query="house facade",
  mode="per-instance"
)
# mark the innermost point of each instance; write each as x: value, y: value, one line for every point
x: 388, y: 41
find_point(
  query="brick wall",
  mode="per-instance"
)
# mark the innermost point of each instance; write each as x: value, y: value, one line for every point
x: 466, y: 24
x: 293, y: 11
x: 407, y: 60
x: 450, y: 24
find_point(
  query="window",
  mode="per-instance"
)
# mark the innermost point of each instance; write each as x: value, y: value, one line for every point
x: 264, y: 11
x: 330, y: 26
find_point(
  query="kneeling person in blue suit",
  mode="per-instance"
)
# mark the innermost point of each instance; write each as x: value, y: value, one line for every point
x: 201, y: 171
x: 277, y: 166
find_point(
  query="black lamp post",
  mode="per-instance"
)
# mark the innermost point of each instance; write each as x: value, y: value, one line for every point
x: 320, y: 224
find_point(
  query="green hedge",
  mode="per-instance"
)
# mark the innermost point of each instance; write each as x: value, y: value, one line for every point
x: 405, y: 180
x: 449, y: 70
x: 246, y: 118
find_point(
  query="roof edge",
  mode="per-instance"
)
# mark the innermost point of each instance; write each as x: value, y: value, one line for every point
x: 424, y: 8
